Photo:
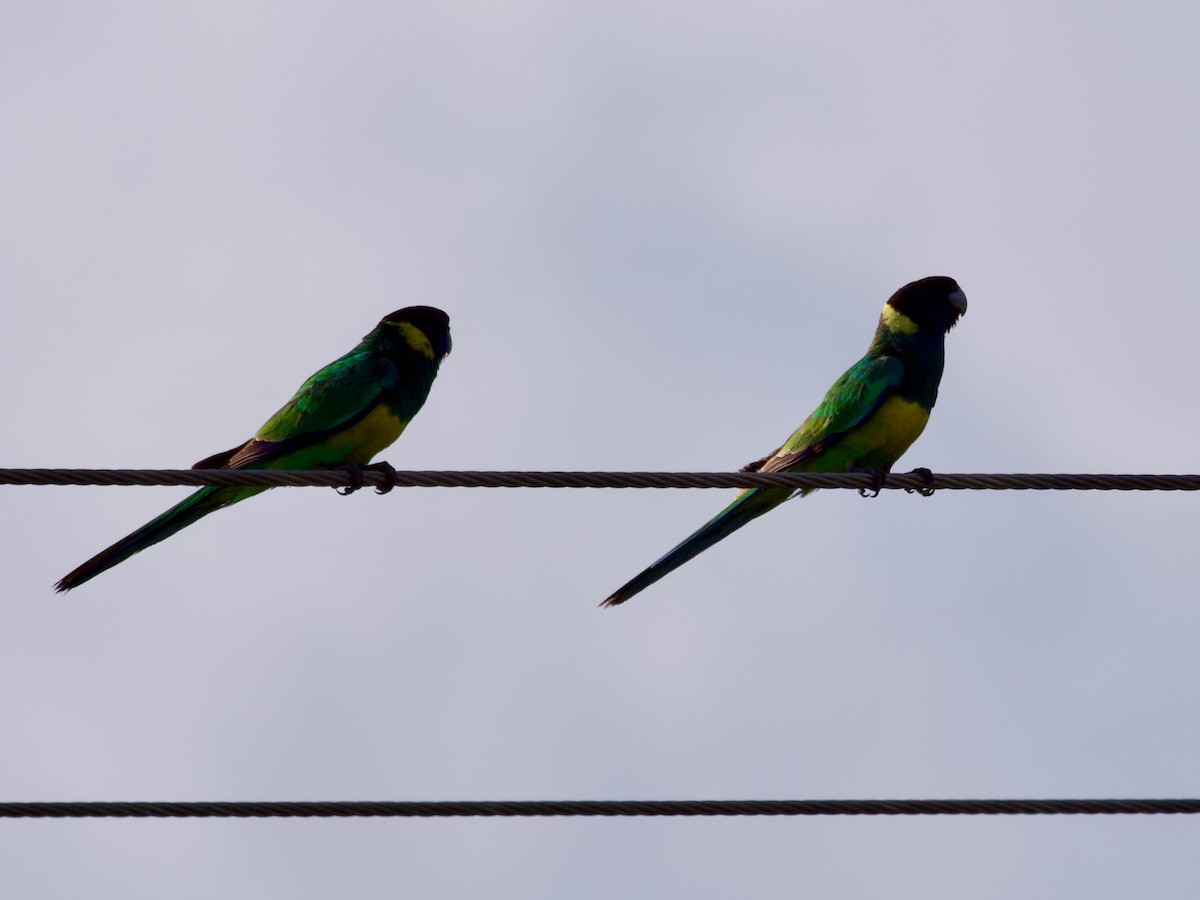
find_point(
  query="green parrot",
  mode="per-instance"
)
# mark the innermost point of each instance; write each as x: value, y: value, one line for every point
x: 341, y: 417
x: 870, y: 416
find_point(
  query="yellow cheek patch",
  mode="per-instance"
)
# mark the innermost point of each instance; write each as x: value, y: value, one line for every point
x: 415, y: 338
x: 897, y: 321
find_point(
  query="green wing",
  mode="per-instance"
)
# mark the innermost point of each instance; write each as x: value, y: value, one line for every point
x: 334, y: 398
x: 850, y: 402
x: 331, y: 399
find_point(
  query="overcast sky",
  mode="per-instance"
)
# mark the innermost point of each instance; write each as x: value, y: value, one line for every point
x: 660, y: 231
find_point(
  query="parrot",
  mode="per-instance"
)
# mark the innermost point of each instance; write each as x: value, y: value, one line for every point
x: 341, y: 417
x: 866, y: 421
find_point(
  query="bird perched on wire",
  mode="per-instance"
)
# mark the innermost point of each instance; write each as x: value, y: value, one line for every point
x: 340, y: 418
x: 870, y: 416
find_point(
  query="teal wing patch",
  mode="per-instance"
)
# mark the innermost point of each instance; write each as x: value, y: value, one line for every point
x: 334, y: 398
x: 851, y: 400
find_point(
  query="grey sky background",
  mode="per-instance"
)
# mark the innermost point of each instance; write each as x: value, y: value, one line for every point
x: 661, y: 231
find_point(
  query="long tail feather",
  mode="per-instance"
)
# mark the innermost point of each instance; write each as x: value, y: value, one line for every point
x: 746, y: 507
x: 178, y: 517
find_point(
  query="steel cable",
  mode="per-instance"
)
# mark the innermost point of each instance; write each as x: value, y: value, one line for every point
x: 795, y: 480
x: 594, y: 808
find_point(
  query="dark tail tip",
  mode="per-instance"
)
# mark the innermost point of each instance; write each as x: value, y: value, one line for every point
x: 74, y: 579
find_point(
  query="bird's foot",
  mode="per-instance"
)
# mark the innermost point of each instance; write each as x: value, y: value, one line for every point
x: 357, y: 479
x: 355, y: 471
x: 389, y: 475
x: 878, y: 479
x: 927, y: 489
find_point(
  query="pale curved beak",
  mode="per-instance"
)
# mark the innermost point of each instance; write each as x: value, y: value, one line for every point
x: 958, y: 300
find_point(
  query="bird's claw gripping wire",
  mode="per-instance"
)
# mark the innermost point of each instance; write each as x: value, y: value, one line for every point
x: 357, y: 480
x: 389, y: 476
x: 878, y: 478
x: 925, y: 490
x: 355, y: 471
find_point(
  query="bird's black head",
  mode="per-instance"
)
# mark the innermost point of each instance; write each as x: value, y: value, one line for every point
x: 424, y: 328
x: 931, y: 305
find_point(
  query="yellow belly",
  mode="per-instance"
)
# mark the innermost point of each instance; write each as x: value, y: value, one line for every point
x: 361, y: 441
x: 881, y: 440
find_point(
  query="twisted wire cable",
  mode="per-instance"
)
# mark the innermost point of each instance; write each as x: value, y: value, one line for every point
x: 594, y: 808
x: 909, y: 481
